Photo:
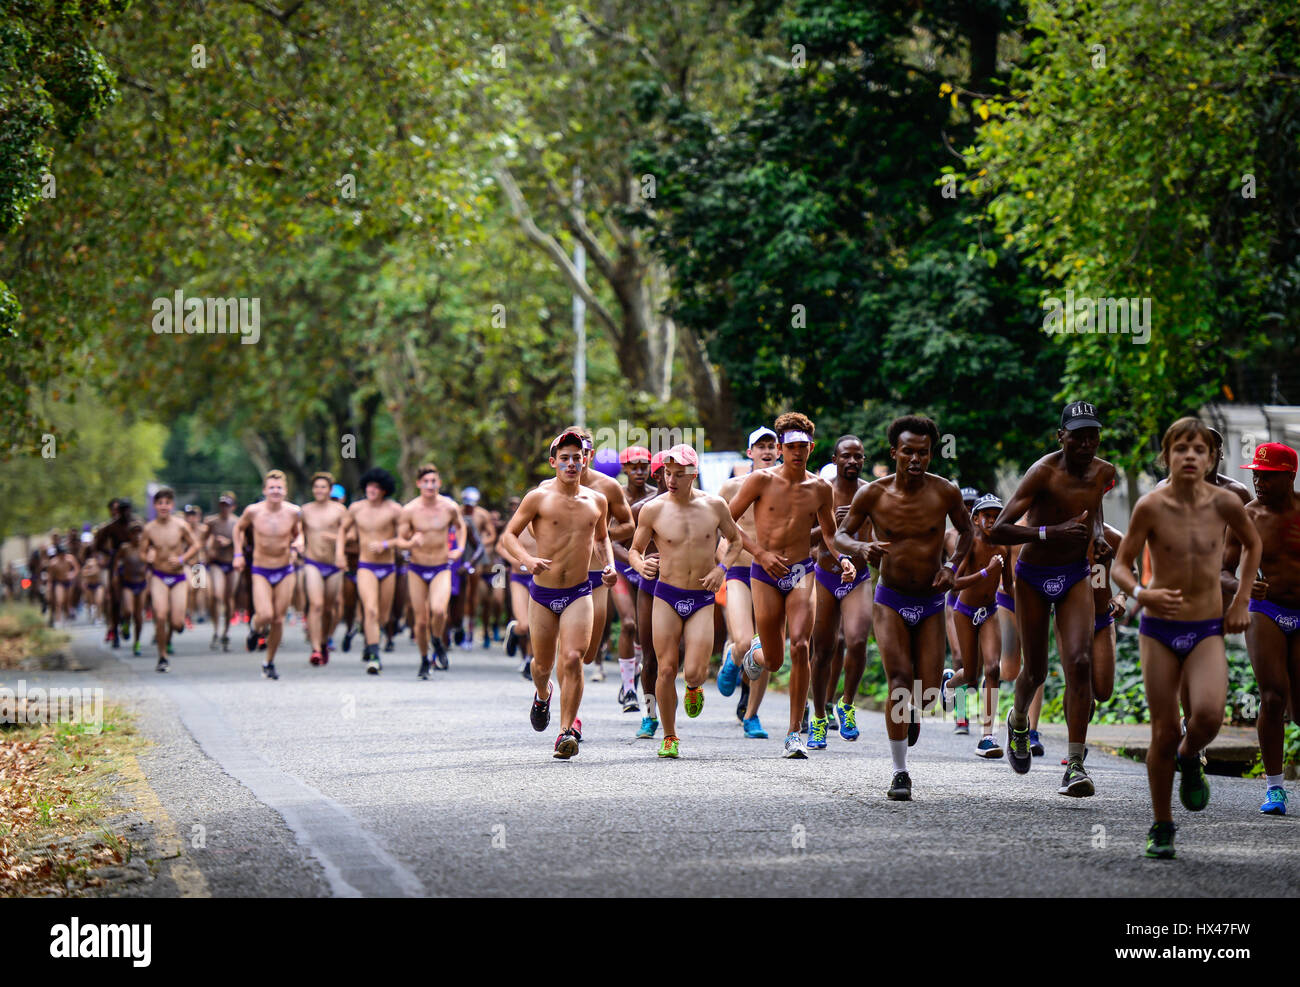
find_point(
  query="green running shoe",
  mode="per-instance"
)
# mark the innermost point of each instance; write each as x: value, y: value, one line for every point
x: 669, y: 747
x: 1193, y: 789
x: 1160, y: 841
x: 135, y: 649
x: 694, y: 702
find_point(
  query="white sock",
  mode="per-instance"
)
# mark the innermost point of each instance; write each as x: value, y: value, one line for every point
x: 1271, y: 780
x: 627, y: 668
x: 650, y: 707
x: 898, y: 751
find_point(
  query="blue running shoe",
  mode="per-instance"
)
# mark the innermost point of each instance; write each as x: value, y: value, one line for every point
x: 848, y: 720
x: 754, y: 730
x: 729, y: 674
x: 1274, y: 801
x: 817, y: 734
x: 648, y: 727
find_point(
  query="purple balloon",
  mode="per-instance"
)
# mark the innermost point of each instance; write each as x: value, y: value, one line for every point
x: 606, y: 461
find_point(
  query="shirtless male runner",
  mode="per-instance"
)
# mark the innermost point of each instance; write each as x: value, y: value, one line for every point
x: 321, y: 518
x: 92, y: 586
x: 423, y: 525
x: 1060, y: 497
x: 840, y: 605
x: 63, y: 572
x: 275, y: 525
x: 375, y: 520
x: 649, y: 671
x: 133, y: 579
x: 1183, y: 622
x: 685, y: 525
x: 1273, y: 638
x: 763, y: 454
x: 107, y: 540
x: 222, y: 577
x: 789, y: 502
x: 976, y: 624
x: 908, y: 510
x: 197, y: 578
x: 968, y: 497
x: 635, y: 461
x: 168, y: 544
x: 568, y: 521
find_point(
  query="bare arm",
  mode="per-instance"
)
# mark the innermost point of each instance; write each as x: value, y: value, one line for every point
x: 826, y: 528
x: 341, y: 539
x: 750, y: 490
x: 858, y: 515
x: 510, y: 537
x: 646, y: 566
x: 1237, y: 619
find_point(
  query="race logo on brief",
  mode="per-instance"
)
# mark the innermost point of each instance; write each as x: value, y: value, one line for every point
x: 1054, y: 586
x: 683, y: 608
x: 1184, y: 642
x: 911, y: 614
x: 558, y: 605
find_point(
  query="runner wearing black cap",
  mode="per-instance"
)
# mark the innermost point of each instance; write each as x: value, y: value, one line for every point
x: 568, y: 520
x: 1273, y: 638
x: 975, y: 613
x: 1184, y: 622
x: 907, y: 510
x: 1060, y: 496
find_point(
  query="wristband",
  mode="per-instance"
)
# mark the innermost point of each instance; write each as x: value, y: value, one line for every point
x: 843, y: 558
x: 1042, y: 532
x: 952, y: 566
x: 1137, y: 594
x: 721, y: 566
x: 385, y: 544
x: 984, y: 572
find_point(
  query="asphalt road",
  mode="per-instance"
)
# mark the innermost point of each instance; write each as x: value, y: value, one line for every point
x: 333, y: 782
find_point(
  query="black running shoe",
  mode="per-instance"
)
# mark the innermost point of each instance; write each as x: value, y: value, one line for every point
x: 913, y: 725
x: 900, y: 790
x: 1018, y: 755
x: 440, y: 656
x: 388, y: 648
x: 373, y: 665
x: 251, y: 642
x: 512, y: 641
x: 162, y: 665
x: 1193, y: 789
x: 743, y: 705
x: 1160, y: 841
x: 629, y: 701
x: 540, y: 715
x: 347, y: 640
x: 424, y: 668
x: 1076, y: 782
x: 458, y: 635
x: 527, y: 670
x: 269, y: 670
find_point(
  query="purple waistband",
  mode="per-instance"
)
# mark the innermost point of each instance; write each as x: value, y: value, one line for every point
x: 739, y: 572
x: 427, y: 572
x: 272, y: 576
x: 839, y: 589
x: 1180, y: 636
x: 521, y: 577
x: 382, y: 570
x: 683, y: 601
x: 1006, y: 602
x: 977, y: 615
x: 134, y: 587
x: 1052, y: 582
x: 595, y: 577
x: 557, y: 600
x: 324, y: 568
x: 1286, y: 618
x: 170, y: 578
x: 787, y: 582
x: 628, y: 573
x: 913, y: 609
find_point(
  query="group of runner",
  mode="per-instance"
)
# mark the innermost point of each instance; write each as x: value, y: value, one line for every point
x: 808, y: 569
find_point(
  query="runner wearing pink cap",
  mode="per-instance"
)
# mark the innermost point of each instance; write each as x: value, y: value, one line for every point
x: 687, y: 524
x: 1273, y: 638
x: 789, y: 503
x: 1184, y: 622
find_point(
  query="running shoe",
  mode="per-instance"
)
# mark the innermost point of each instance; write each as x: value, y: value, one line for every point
x: 848, y: 720
x: 269, y: 671
x: 648, y: 727
x: 694, y: 702
x: 989, y: 747
x: 225, y: 642
x: 487, y: 641
x: 512, y: 642
x: 794, y: 747
x: 599, y: 674
x: 424, y: 668
x: 900, y: 789
x: 669, y: 747
x: 171, y: 649
x: 817, y: 733
x: 1036, y: 745
x: 729, y: 674
x: 803, y: 726
x: 1193, y: 789
x: 1160, y: 841
x: 526, y: 669
x: 388, y: 647
x: 374, y: 666
x: 540, y: 715
x: 347, y: 640
x: 948, y: 699
x: 440, y: 660
x: 628, y: 701
x: 162, y: 665
x: 962, y: 728
x: 315, y: 658
x: 913, y: 726
x: 214, y: 643
x: 576, y: 729
x: 742, y: 707
x: 1018, y: 747
x: 251, y: 642
x: 753, y: 729
x: 752, y: 666
x: 1274, y: 801
x: 135, y: 649
x: 1075, y: 782
x: 325, y: 655
x: 831, y: 722
x: 566, y: 745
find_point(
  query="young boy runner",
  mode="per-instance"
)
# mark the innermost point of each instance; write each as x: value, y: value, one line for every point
x: 907, y: 510
x: 686, y: 525
x: 789, y: 504
x: 1183, y: 624
x: 133, y: 578
x: 168, y: 545
x: 321, y: 519
x: 220, y: 547
x: 275, y: 525
x: 1273, y: 638
x: 568, y: 521
x: 424, y: 525
x: 975, y: 620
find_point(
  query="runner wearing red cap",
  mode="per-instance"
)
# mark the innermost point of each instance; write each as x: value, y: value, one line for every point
x: 789, y: 502
x: 1183, y: 622
x: 635, y: 461
x: 743, y: 643
x: 687, y: 524
x: 1273, y: 638
x: 568, y: 519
